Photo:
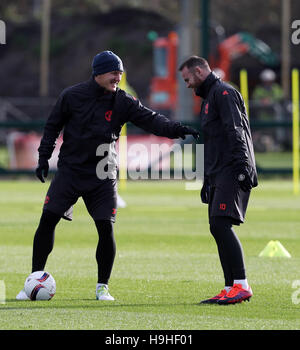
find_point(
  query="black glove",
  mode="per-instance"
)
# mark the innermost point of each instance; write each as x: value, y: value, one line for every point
x: 243, y: 177
x: 42, y: 170
x: 186, y: 130
x: 204, y: 193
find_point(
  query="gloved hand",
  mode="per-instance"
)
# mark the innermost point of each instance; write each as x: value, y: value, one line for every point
x: 42, y: 170
x: 243, y: 177
x: 204, y: 193
x: 186, y: 130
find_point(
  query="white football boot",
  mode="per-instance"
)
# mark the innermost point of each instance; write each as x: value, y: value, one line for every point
x: 102, y: 293
x: 22, y: 295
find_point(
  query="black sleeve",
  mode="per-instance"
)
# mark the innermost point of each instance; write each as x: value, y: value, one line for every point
x: 53, y: 127
x: 232, y: 112
x: 149, y: 120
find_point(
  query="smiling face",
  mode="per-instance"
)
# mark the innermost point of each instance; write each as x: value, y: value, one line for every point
x: 109, y: 81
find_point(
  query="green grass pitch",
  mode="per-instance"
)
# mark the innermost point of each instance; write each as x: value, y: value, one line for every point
x: 166, y: 262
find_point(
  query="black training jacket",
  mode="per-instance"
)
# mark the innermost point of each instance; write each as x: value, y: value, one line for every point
x: 92, y: 117
x: 225, y: 127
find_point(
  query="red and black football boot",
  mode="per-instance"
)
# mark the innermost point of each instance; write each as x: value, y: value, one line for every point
x: 214, y: 300
x: 237, y: 294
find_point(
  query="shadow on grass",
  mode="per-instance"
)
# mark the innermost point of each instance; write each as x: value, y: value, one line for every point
x: 81, y: 303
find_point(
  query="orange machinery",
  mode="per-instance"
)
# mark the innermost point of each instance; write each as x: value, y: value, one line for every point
x: 163, y: 90
x: 163, y: 95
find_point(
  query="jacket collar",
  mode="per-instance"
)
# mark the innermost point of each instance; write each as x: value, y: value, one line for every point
x: 204, y: 88
x: 96, y: 88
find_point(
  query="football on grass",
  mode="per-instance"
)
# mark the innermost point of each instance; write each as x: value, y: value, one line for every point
x: 40, y: 285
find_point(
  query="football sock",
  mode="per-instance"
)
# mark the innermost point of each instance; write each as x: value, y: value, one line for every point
x: 106, y: 250
x: 44, y: 240
x: 229, y: 248
x: 100, y: 285
x: 227, y: 288
x: 244, y: 283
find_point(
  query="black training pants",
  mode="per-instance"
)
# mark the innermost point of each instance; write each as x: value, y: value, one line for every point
x: 44, y: 240
x: 229, y: 249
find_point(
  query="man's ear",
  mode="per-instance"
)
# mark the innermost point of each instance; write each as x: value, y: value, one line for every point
x: 198, y: 72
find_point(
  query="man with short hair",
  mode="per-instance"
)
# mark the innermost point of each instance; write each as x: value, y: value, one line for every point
x: 229, y: 171
x: 92, y: 114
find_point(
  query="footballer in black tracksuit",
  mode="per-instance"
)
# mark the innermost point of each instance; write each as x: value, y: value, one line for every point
x: 90, y: 116
x: 229, y: 173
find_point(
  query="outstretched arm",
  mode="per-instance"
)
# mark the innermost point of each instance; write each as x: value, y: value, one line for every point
x: 154, y: 122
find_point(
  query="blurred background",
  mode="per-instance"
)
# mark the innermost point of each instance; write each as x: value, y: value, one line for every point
x: 50, y: 44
